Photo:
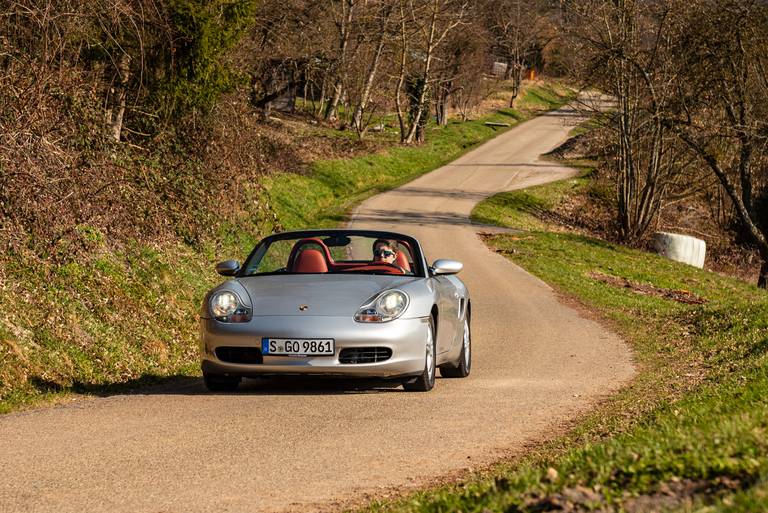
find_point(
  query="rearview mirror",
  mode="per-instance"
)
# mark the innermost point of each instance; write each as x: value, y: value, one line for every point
x: 443, y: 266
x: 228, y: 267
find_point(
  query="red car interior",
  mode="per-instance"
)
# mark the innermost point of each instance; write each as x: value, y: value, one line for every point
x: 378, y: 268
x: 310, y: 261
x: 317, y: 259
x: 297, y: 249
x: 402, y: 260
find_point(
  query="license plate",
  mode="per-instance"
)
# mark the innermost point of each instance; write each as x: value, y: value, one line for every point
x: 297, y: 346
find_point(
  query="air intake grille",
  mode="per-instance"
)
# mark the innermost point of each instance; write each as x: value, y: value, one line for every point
x: 249, y: 355
x: 365, y: 354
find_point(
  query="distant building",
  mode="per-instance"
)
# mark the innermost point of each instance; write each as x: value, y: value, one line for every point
x: 499, y: 69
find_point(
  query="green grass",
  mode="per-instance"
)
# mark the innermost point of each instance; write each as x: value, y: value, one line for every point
x: 120, y: 318
x: 693, y: 421
x: 523, y: 209
x: 591, y: 123
x: 123, y: 317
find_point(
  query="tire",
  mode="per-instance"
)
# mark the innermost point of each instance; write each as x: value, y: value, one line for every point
x: 464, y: 365
x: 218, y: 383
x: 426, y: 380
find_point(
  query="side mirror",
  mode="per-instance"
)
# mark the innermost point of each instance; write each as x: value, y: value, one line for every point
x: 443, y: 266
x: 228, y: 267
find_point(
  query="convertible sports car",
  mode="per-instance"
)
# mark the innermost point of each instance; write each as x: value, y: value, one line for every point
x: 353, y: 303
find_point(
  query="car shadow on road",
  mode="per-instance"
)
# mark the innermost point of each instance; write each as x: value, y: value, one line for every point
x: 181, y: 384
x: 315, y: 386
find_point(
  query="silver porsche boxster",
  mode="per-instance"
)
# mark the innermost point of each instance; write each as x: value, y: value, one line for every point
x: 352, y: 303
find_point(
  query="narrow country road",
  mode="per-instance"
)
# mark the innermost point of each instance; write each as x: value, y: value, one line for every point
x: 302, y: 447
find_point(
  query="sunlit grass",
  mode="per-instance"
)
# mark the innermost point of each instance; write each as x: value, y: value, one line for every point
x: 693, y: 425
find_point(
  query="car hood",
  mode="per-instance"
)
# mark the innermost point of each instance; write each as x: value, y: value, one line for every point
x: 323, y: 294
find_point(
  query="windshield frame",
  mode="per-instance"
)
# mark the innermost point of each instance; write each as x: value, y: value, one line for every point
x: 419, y: 263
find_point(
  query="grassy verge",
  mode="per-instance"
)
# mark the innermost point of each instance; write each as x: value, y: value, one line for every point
x: 689, y: 434
x: 122, y: 318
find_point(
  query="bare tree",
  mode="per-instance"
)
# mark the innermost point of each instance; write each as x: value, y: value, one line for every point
x: 404, y: 36
x: 344, y: 12
x: 115, y: 112
x: 519, y: 30
x: 722, y: 114
x: 380, y: 24
x: 627, y: 50
x: 431, y: 23
x: 463, y: 65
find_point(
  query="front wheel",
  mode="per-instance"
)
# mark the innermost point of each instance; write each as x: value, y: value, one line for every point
x: 218, y: 383
x: 426, y: 380
x: 462, y: 368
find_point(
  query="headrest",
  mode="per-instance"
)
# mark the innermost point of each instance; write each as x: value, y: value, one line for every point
x: 310, y: 261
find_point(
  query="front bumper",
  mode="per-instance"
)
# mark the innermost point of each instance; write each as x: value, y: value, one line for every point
x: 404, y: 337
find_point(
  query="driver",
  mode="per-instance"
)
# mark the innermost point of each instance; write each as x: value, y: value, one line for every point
x: 384, y: 252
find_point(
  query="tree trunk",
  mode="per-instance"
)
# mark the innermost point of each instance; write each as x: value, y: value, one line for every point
x: 347, y: 15
x: 357, y: 118
x: 762, y: 280
x: 751, y: 226
x: 330, y: 111
x: 517, y: 80
x: 417, y: 120
x: 323, y: 91
x: 441, y: 110
x: 415, y: 123
x: 116, y: 112
x: 401, y: 77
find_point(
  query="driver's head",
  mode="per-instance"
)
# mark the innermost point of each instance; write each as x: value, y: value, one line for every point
x: 384, y: 251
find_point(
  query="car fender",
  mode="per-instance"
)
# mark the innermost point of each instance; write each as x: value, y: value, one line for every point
x: 422, y: 295
x: 233, y: 286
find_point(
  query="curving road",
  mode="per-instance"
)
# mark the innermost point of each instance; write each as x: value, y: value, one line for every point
x: 297, y: 447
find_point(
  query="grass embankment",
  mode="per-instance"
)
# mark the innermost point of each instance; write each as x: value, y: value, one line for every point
x: 118, y: 319
x: 689, y: 434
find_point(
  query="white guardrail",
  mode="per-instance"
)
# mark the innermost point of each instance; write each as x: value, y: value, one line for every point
x: 681, y: 248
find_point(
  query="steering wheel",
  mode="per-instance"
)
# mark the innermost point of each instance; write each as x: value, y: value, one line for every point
x: 393, y: 265
x: 378, y: 266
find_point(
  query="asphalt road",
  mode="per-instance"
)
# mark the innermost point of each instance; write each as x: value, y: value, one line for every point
x: 303, y: 446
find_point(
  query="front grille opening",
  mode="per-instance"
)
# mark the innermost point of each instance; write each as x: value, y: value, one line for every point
x: 248, y: 355
x: 364, y: 354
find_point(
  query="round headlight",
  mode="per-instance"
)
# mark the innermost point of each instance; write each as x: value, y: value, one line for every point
x: 224, y: 304
x: 392, y: 304
x: 387, y: 307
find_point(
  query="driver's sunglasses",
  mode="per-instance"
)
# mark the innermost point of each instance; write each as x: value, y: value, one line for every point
x: 384, y: 253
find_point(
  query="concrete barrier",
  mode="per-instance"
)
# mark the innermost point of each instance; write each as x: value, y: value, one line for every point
x: 681, y: 248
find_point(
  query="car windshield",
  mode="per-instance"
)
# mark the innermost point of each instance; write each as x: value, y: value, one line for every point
x: 334, y: 253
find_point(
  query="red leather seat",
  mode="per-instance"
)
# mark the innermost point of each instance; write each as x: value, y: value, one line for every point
x: 402, y: 260
x: 299, y: 246
x: 310, y: 261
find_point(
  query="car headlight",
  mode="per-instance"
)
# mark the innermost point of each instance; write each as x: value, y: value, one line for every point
x: 385, y: 307
x: 227, y: 307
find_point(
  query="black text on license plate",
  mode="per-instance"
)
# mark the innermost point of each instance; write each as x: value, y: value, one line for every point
x: 297, y: 346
